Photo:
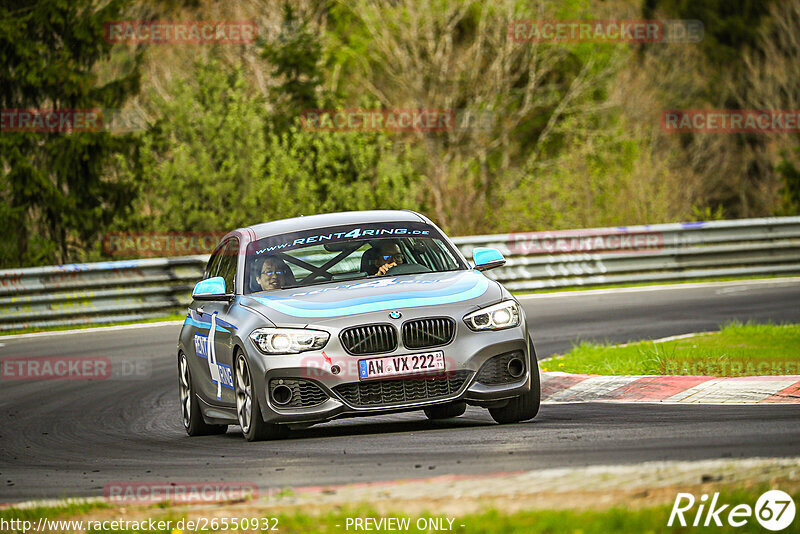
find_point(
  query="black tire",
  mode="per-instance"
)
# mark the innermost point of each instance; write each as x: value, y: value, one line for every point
x: 249, y: 413
x: 191, y: 414
x: 526, y: 406
x: 446, y: 411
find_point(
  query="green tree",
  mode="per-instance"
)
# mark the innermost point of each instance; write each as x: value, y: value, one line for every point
x: 55, y: 188
x: 319, y: 172
x: 738, y: 175
x: 207, y: 164
x: 315, y: 172
x: 458, y: 55
x: 791, y: 189
x: 729, y: 25
x: 202, y: 157
x: 296, y: 59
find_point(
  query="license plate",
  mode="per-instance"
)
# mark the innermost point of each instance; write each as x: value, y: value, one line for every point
x: 408, y: 364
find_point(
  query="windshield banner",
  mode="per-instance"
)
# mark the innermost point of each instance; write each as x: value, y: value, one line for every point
x: 340, y: 234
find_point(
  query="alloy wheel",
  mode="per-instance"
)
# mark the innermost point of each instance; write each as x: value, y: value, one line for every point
x: 244, y: 394
x: 185, y: 391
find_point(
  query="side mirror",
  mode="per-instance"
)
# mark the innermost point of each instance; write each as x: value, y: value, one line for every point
x: 487, y: 258
x: 210, y: 289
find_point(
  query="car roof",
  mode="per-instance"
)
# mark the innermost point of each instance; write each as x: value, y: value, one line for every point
x: 310, y: 222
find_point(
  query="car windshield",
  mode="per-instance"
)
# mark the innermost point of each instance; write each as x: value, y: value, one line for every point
x: 354, y: 252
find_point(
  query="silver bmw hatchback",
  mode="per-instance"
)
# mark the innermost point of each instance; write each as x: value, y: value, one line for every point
x: 304, y: 320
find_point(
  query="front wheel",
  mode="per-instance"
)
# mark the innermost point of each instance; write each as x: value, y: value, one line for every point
x: 526, y: 406
x: 193, y: 420
x: 247, y: 408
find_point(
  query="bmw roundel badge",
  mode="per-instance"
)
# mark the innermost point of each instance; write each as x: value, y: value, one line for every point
x: 395, y: 315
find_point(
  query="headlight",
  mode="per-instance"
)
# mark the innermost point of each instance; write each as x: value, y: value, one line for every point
x: 288, y: 340
x: 497, y: 317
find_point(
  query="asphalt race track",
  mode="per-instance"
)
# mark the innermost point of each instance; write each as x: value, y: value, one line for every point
x: 70, y: 438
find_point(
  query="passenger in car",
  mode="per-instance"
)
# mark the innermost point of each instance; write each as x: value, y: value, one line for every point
x: 273, y: 273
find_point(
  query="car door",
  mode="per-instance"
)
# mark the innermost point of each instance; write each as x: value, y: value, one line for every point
x: 198, y: 325
x: 213, y: 339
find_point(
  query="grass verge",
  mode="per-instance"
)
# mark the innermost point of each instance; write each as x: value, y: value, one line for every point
x: 335, y: 519
x: 737, y: 350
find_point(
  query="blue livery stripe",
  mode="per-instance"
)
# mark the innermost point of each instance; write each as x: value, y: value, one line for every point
x: 222, y: 326
x: 201, y: 324
x: 457, y: 292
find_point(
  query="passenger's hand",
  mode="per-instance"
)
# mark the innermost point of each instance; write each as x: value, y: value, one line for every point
x: 385, y: 267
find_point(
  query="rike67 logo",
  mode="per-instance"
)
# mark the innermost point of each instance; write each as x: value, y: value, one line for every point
x: 774, y: 510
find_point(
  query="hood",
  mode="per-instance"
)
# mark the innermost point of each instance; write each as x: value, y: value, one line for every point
x: 339, y: 299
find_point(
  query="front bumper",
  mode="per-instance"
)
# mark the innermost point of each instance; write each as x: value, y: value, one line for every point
x: 468, y: 357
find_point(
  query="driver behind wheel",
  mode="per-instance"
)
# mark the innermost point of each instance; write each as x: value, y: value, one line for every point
x: 389, y: 255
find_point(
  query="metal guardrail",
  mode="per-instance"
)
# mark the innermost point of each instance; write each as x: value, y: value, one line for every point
x: 140, y: 289
x: 88, y: 293
x: 678, y: 251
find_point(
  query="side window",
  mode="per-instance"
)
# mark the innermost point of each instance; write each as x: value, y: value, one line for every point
x: 443, y: 256
x: 227, y: 264
x: 213, y: 264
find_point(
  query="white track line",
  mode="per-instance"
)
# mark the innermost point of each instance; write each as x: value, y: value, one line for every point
x: 91, y: 330
x: 664, y: 287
